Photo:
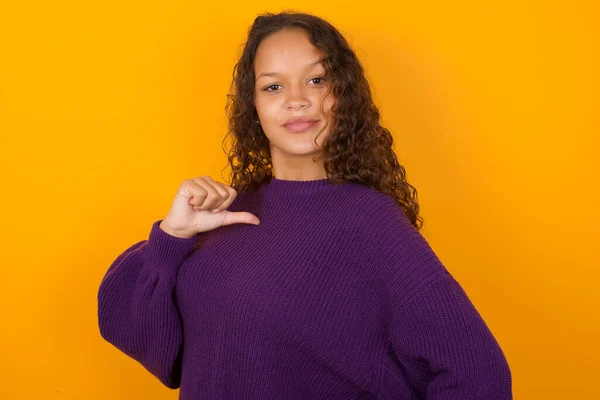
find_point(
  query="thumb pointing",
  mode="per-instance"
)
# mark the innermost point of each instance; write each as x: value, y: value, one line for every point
x: 241, y: 217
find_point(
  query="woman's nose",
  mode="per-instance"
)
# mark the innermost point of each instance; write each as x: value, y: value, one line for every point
x: 297, y: 100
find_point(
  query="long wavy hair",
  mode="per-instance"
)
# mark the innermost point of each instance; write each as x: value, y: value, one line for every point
x: 358, y: 148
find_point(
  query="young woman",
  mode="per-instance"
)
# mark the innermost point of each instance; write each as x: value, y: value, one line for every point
x: 306, y: 277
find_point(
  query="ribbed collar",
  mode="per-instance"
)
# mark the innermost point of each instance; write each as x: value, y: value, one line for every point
x: 283, y: 187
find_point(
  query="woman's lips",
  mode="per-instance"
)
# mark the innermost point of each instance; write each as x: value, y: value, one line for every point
x: 300, y: 126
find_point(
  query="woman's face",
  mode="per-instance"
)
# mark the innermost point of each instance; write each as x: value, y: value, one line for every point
x: 288, y: 84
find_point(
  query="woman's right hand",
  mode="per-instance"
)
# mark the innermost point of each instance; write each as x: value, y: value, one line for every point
x: 192, y: 209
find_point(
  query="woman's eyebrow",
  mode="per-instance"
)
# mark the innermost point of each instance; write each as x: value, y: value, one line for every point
x: 312, y: 64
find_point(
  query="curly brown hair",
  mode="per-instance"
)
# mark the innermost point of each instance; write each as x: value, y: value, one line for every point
x: 358, y: 149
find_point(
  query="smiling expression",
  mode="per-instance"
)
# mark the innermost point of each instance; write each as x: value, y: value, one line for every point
x: 290, y: 93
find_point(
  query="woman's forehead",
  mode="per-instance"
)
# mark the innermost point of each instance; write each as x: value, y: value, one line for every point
x: 285, y: 51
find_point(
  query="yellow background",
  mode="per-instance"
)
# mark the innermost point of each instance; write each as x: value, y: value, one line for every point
x: 106, y: 107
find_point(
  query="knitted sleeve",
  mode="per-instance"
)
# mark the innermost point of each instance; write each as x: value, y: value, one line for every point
x: 440, y: 336
x: 136, y: 305
x: 440, y: 340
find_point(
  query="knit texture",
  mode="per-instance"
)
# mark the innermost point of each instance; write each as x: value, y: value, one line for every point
x: 335, y: 295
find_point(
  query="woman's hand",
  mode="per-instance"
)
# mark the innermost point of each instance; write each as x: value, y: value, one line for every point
x: 201, y: 205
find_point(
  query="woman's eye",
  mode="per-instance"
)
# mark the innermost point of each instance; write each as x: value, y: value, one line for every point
x: 319, y: 79
x: 268, y: 87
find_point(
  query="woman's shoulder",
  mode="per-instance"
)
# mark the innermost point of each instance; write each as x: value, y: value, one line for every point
x: 402, y: 256
x: 379, y: 211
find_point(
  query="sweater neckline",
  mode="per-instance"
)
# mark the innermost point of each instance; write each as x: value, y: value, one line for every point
x: 284, y: 187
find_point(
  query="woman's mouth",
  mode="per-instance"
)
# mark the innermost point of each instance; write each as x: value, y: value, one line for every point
x: 300, y: 125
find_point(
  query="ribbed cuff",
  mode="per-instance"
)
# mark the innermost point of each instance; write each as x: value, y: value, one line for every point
x: 165, y: 252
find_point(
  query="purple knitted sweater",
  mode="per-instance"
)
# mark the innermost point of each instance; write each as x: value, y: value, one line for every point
x: 335, y: 295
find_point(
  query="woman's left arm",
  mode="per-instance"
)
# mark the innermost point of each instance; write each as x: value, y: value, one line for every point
x: 439, y: 328
x: 435, y: 331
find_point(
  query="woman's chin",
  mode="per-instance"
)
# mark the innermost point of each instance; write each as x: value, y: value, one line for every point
x: 300, y: 150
